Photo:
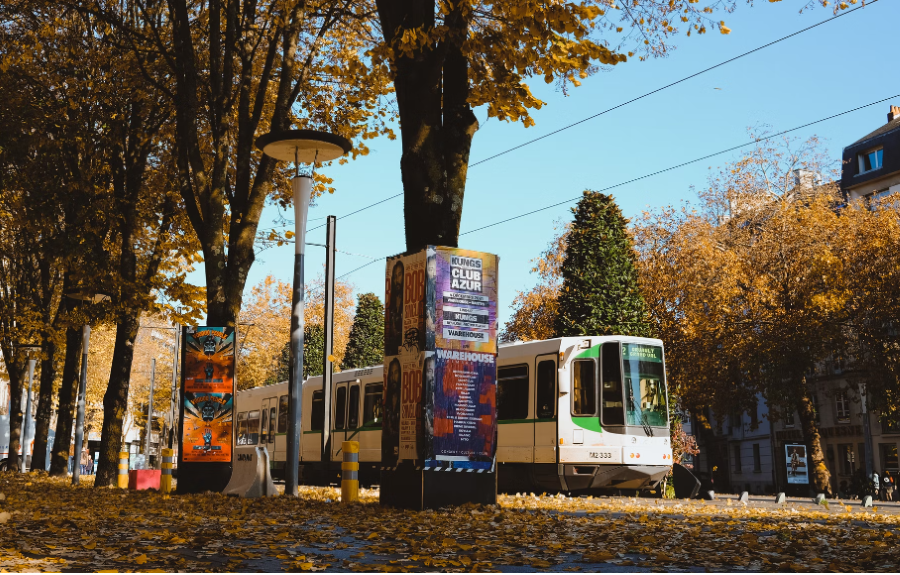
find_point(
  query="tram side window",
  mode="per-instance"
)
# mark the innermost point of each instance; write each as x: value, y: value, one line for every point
x: 512, y: 392
x: 611, y: 400
x: 252, y: 428
x: 584, y: 388
x: 317, y: 417
x: 272, y: 419
x: 372, y: 405
x: 242, y: 429
x: 340, y: 407
x: 353, y: 410
x: 282, y: 414
x: 546, y: 389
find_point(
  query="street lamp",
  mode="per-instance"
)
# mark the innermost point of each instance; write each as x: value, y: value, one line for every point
x: 91, y: 297
x: 301, y: 147
x: 29, y: 351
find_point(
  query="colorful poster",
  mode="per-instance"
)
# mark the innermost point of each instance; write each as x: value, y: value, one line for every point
x: 208, y: 376
x: 464, y: 406
x: 465, y: 299
x: 797, y: 469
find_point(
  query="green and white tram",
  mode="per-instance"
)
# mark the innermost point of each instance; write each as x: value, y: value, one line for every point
x: 574, y: 414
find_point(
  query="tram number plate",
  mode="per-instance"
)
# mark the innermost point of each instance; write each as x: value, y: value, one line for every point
x: 600, y: 455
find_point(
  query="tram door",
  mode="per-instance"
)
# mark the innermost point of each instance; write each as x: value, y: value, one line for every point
x: 515, y: 427
x: 338, y: 420
x: 268, y: 424
x: 280, y: 450
x: 545, y: 402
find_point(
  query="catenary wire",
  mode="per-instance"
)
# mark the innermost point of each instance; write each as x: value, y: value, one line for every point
x: 667, y: 86
x: 669, y: 169
x: 686, y: 78
x: 683, y: 164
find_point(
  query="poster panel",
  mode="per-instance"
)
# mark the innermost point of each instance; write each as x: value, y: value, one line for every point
x: 462, y: 415
x: 465, y: 300
x: 797, y: 468
x: 208, y: 380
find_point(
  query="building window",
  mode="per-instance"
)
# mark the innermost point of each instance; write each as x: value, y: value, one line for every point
x: 842, y: 407
x: 757, y: 459
x: 737, y: 459
x: 789, y: 418
x: 848, y: 461
x: 889, y: 461
x: 870, y: 160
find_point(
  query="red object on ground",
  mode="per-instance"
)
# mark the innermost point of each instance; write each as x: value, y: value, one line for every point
x: 144, y: 479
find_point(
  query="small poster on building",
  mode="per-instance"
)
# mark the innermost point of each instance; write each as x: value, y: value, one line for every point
x: 208, y: 376
x: 797, y: 468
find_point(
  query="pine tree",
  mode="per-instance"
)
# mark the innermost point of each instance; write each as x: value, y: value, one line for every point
x: 600, y: 294
x: 366, y: 345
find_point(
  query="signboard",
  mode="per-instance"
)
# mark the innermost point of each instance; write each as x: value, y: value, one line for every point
x: 639, y: 352
x: 208, y: 380
x: 440, y: 358
x: 797, y: 468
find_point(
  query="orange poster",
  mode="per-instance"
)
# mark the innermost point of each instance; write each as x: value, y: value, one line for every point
x: 208, y: 372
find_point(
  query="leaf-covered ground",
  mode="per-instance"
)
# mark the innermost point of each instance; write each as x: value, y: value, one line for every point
x: 46, y: 525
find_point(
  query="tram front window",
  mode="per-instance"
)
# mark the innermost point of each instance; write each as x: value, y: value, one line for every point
x: 645, y: 385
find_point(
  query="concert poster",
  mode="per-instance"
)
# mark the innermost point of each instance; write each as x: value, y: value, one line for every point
x: 208, y: 379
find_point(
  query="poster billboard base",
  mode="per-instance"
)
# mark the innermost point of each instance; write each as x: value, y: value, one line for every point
x: 202, y: 477
x: 407, y: 487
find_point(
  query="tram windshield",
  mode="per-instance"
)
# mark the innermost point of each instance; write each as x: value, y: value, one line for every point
x: 645, y: 385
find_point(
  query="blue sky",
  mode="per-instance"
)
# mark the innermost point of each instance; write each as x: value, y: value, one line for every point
x: 835, y: 67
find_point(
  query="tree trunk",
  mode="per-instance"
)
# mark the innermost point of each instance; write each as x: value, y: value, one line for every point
x: 436, y: 123
x: 820, y: 478
x: 59, y: 459
x: 16, y: 371
x: 45, y: 405
x: 115, y: 401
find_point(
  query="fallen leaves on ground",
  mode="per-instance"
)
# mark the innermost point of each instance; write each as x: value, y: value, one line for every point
x: 52, y: 526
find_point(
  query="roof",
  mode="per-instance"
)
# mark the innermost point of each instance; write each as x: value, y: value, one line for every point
x: 890, y: 126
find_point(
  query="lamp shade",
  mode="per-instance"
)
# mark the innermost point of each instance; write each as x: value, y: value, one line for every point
x: 306, y: 146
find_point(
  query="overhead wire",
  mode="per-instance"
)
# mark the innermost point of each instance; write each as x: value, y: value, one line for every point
x: 631, y: 101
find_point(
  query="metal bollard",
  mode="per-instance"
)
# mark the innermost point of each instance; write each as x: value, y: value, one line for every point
x: 350, y: 472
x: 123, y: 470
x: 165, y: 479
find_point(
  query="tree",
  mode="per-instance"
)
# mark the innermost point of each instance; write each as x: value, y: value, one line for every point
x: 750, y: 291
x: 366, y: 344
x: 262, y: 359
x: 232, y: 71
x: 600, y: 293
x: 534, y: 311
x: 448, y: 58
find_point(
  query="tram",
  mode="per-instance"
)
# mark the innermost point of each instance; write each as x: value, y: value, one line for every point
x: 574, y: 414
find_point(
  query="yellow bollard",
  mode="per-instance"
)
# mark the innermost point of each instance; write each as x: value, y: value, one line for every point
x: 350, y: 472
x: 123, y: 470
x: 165, y: 479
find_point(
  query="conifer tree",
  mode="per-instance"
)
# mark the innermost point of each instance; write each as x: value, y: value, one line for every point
x: 600, y: 294
x: 366, y: 345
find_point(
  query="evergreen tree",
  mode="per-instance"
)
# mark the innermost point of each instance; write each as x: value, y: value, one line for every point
x: 366, y: 345
x: 313, y: 348
x: 600, y: 294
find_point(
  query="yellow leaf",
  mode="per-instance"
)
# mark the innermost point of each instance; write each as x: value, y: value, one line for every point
x: 91, y: 545
x: 141, y: 559
x: 447, y: 542
x: 372, y: 536
x: 724, y: 29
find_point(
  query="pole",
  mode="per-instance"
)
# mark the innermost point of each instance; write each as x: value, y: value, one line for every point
x: 329, y: 338
x: 82, y: 392
x: 302, y: 188
x: 174, y: 398
x: 867, y: 432
x: 149, y: 427
x: 28, y: 421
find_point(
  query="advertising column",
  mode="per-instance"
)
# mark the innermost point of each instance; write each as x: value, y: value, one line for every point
x: 207, y: 411
x: 440, y: 378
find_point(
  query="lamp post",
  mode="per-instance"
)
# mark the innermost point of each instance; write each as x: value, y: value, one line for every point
x: 149, y: 427
x: 91, y: 297
x: 29, y: 351
x: 301, y: 147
